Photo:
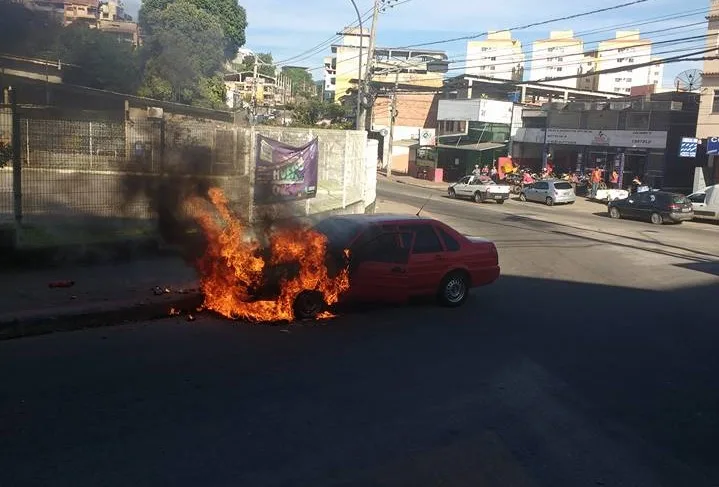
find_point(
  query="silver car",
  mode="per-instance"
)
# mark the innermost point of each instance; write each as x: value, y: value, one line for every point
x: 549, y: 192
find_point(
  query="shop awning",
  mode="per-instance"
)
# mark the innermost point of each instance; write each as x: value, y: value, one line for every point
x: 473, y: 146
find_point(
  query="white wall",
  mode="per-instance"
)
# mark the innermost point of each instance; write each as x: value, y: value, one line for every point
x: 551, y: 59
x: 493, y: 59
x: 622, y: 81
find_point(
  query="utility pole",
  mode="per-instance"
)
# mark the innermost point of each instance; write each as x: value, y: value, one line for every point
x: 358, y: 109
x: 254, y: 90
x: 370, y: 59
x: 392, y: 115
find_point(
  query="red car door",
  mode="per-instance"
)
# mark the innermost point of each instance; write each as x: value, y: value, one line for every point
x: 378, y: 268
x: 427, y: 262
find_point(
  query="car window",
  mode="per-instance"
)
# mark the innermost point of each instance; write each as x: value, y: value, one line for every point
x: 425, y: 240
x: 464, y: 180
x: 679, y: 199
x: 562, y: 185
x: 476, y: 181
x: 384, y: 247
x: 642, y: 198
x: 697, y: 197
x: 450, y: 243
x: 541, y: 185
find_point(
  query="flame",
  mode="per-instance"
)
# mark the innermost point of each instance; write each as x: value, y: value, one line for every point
x: 233, y: 265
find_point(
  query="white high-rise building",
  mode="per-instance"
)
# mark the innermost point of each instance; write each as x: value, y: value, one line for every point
x: 627, y: 50
x: 498, y: 56
x: 560, y: 55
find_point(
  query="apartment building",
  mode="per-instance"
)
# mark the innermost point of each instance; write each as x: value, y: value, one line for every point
x: 405, y: 66
x: 244, y: 90
x: 498, y: 56
x: 330, y: 78
x: 627, y: 49
x: 560, y: 55
x: 708, y: 119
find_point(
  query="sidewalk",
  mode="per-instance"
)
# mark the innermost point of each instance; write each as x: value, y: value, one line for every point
x: 421, y: 183
x: 140, y: 289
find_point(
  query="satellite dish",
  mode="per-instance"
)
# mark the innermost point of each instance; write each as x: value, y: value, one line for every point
x: 689, y: 80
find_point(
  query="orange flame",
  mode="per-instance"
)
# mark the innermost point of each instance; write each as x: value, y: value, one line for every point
x: 233, y: 264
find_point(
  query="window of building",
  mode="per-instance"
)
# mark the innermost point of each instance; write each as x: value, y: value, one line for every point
x: 631, y: 59
x: 628, y: 90
x: 620, y: 60
x: 491, y: 68
x: 482, y: 68
x: 560, y: 59
x: 493, y: 58
x: 715, y: 102
x: 617, y: 80
x: 550, y: 49
x: 559, y: 68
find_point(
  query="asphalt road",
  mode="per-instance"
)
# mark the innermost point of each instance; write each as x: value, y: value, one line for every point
x: 592, y: 361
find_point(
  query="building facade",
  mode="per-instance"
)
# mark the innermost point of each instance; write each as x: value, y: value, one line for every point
x: 330, y: 79
x: 498, y: 56
x: 626, y: 50
x: 636, y: 136
x: 389, y: 65
x: 708, y: 120
x: 560, y: 55
x: 244, y: 91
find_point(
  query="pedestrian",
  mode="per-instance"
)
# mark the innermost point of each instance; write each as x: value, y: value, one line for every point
x: 477, y: 171
x: 596, y: 179
x: 493, y: 173
x: 636, y: 183
x: 614, y: 179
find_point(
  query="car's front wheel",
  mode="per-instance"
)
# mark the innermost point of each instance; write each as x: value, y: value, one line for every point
x: 614, y: 213
x: 549, y: 201
x: 451, y: 193
x: 522, y: 197
x: 308, y: 305
x: 478, y: 197
x: 454, y: 289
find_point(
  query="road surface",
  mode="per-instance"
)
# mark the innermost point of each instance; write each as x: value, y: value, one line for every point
x: 592, y: 361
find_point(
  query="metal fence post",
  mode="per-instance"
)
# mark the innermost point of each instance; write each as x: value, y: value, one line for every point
x: 16, y: 166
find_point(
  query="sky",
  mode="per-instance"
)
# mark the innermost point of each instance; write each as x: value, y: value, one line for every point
x: 288, y: 28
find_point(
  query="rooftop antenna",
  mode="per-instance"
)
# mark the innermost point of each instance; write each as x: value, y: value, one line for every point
x: 424, y: 204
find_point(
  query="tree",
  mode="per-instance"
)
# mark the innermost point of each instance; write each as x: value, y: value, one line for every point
x: 313, y: 112
x: 184, y: 52
x: 302, y: 83
x: 231, y: 16
x: 265, y: 66
x: 27, y: 32
x: 99, y: 60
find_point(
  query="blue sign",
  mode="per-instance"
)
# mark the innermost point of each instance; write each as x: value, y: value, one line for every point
x: 688, y: 147
x: 712, y: 145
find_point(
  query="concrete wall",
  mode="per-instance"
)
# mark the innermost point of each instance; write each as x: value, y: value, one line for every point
x: 73, y: 194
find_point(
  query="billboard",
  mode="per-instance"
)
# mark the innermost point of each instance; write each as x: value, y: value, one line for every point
x: 688, y: 147
x: 283, y: 172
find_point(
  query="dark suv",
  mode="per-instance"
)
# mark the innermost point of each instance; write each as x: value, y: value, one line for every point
x: 655, y: 206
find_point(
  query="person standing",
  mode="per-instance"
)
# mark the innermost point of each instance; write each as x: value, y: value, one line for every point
x: 614, y: 179
x: 596, y: 179
x: 477, y: 171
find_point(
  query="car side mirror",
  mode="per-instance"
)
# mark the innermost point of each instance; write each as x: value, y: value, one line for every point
x: 631, y: 201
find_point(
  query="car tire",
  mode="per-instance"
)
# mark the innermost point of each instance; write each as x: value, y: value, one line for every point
x: 614, y: 213
x: 522, y: 197
x: 549, y: 201
x: 451, y: 193
x: 308, y: 305
x: 478, y: 198
x: 454, y: 289
x: 657, y: 219
x: 500, y: 202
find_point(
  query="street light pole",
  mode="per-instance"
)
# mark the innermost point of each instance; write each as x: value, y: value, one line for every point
x: 358, y: 116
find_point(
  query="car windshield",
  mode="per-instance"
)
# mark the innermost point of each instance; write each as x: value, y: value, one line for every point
x: 339, y: 231
x: 562, y: 186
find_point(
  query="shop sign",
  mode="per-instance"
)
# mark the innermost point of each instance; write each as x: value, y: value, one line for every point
x: 638, y: 139
x: 712, y: 146
x: 688, y: 147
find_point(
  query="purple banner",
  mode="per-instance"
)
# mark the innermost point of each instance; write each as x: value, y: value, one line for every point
x: 284, y: 173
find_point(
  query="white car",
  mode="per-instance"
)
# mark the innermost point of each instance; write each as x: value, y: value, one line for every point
x: 706, y: 203
x: 479, y: 189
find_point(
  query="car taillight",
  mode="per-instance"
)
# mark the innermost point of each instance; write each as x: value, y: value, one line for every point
x: 675, y: 207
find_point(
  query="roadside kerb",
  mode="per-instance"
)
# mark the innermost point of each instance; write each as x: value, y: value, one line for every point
x: 68, y: 318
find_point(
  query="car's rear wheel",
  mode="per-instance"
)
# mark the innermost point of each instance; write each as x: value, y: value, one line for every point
x: 500, y: 202
x: 522, y: 197
x: 657, y: 219
x: 308, y: 305
x: 549, y: 201
x: 451, y: 193
x: 454, y: 289
x: 614, y: 213
x: 478, y: 197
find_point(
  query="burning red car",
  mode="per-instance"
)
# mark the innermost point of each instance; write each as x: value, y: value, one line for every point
x: 393, y: 258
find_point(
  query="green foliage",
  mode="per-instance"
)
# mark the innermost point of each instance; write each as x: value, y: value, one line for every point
x: 231, y: 16
x: 309, y: 113
x: 183, y: 47
x: 26, y: 32
x: 302, y: 83
x: 266, y: 65
x: 102, y: 61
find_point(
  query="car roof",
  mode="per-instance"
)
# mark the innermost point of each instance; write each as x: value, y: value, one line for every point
x: 368, y: 219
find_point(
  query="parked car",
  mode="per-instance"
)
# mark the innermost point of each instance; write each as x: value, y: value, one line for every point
x: 655, y: 206
x: 394, y: 258
x: 705, y: 203
x: 479, y: 189
x: 549, y: 192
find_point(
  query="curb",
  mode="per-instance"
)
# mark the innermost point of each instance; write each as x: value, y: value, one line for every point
x: 418, y: 185
x: 103, y: 314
